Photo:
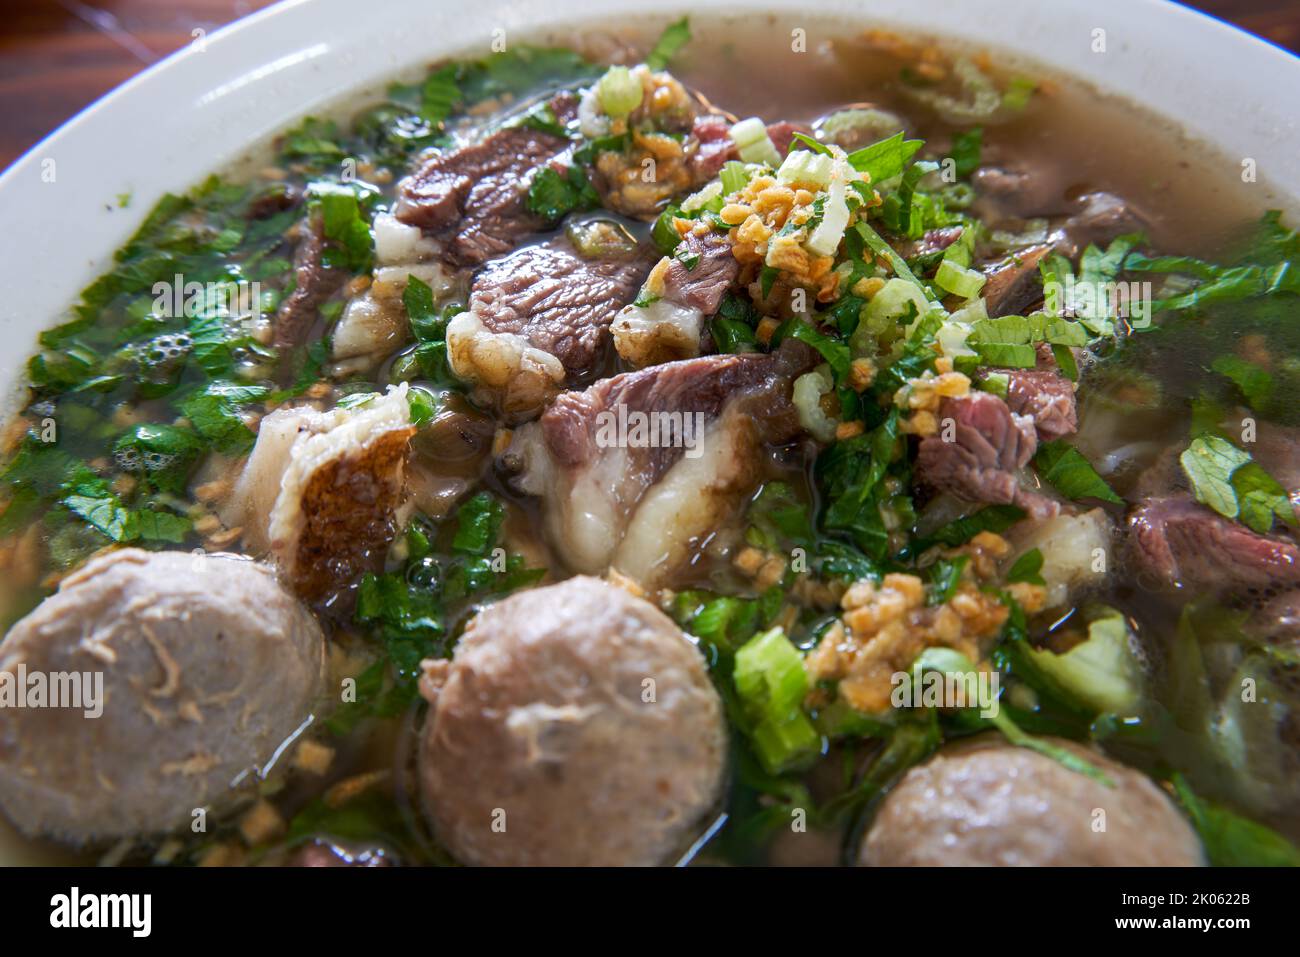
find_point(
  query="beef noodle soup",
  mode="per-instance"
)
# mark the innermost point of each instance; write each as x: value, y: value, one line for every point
x: 729, y: 444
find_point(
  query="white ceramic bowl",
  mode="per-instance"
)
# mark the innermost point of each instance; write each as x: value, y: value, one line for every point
x: 202, y: 108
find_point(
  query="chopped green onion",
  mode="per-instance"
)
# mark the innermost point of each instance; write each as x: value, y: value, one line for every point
x: 709, y: 198
x: 807, y: 398
x: 951, y: 661
x: 835, y: 213
x: 896, y: 300
x: 753, y: 143
x: 619, y: 91
x: 958, y: 280
x: 771, y: 682
x: 876, y: 243
x: 995, y: 382
x: 1102, y: 671
x: 807, y: 168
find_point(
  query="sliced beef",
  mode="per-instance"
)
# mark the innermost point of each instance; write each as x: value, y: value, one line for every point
x: 989, y: 445
x: 1100, y: 218
x: 635, y: 471
x: 538, y: 319
x: 564, y: 107
x: 703, y: 285
x: 782, y: 132
x: 1177, y: 542
x: 714, y: 147
x: 710, y: 144
x: 1018, y: 193
x: 1014, y: 284
x: 557, y: 300
x: 314, y: 283
x: 473, y: 196
x: 933, y: 241
x: 1045, y: 396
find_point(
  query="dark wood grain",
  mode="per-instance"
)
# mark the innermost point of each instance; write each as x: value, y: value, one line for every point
x: 58, y: 56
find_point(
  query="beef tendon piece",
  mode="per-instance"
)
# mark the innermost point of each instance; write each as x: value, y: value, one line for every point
x: 321, y: 491
x: 208, y: 667
x: 538, y: 319
x: 642, y: 501
x: 576, y: 725
x: 988, y: 803
x: 473, y: 197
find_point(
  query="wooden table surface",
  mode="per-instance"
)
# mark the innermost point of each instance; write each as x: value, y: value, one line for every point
x: 57, y: 56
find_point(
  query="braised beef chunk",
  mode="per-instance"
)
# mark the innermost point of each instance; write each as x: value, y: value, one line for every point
x: 1179, y: 543
x: 314, y: 283
x: 474, y: 196
x: 559, y: 301
x: 643, y: 500
x: 702, y: 385
x: 1014, y: 284
x: 989, y: 445
x: 700, y: 276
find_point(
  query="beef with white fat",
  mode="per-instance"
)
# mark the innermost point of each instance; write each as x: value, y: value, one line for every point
x: 539, y: 319
x: 640, y: 501
x: 473, y: 197
x: 692, y: 286
x: 321, y: 491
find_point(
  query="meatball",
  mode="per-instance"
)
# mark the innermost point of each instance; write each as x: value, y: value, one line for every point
x: 575, y: 725
x: 207, y: 667
x: 986, y: 802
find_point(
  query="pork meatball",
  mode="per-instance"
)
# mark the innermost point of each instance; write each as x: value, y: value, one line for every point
x: 208, y: 666
x: 989, y: 803
x: 575, y: 725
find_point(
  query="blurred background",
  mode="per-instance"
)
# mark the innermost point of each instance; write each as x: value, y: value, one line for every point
x: 57, y: 56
